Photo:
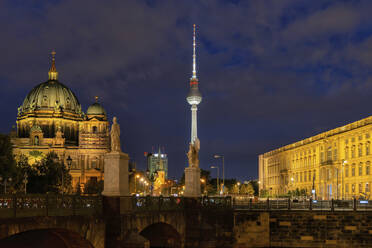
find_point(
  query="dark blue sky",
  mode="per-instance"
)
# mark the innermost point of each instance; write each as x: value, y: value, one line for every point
x: 271, y: 72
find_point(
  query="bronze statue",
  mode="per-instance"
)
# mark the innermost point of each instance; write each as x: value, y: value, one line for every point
x: 193, y: 153
x: 115, y: 136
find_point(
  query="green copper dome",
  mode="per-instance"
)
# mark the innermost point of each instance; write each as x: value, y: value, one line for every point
x: 51, y: 95
x: 96, y: 109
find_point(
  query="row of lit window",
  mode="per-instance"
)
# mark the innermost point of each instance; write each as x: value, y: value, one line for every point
x: 360, y: 188
x: 306, y: 176
x: 360, y: 137
x: 360, y: 150
x: 360, y: 170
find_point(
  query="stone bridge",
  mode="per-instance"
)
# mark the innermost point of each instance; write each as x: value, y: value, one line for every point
x: 69, y: 221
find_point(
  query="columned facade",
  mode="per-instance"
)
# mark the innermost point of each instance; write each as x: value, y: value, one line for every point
x: 336, y: 164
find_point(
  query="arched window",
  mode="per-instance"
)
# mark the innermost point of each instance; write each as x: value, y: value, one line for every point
x: 360, y: 152
x: 368, y: 148
x: 353, y: 170
x: 360, y: 169
x: 346, y: 152
x: 346, y: 171
x: 368, y: 168
x: 367, y: 187
x: 353, y: 151
x: 329, y: 154
x: 305, y: 176
x: 309, y: 176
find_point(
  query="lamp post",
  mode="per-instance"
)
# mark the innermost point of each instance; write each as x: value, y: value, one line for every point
x: 238, y: 184
x: 135, y: 183
x: 203, y: 181
x: 223, y: 170
x: 218, y: 177
x: 141, y: 180
x: 25, y: 181
x: 6, y: 181
x: 342, y: 177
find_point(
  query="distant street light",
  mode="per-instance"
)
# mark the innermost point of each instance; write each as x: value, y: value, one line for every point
x: 6, y: 181
x: 223, y: 170
x: 135, y: 183
x: 218, y: 177
x: 238, y: 184
x: 25, y: 181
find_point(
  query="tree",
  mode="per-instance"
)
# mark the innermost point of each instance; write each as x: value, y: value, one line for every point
x: 46, y: 176
x: 255, y: 187
x: 236, y: 189
x: 93, y: 187
x: 264, y: 193
x: 7, y: 162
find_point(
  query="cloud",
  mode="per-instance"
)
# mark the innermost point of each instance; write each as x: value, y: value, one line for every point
x: 271, y: 72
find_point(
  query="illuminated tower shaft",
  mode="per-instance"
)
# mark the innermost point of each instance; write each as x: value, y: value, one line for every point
x: 194, y: 97
x: 194, y: 123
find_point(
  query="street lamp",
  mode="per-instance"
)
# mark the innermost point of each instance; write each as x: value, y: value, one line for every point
x: 141, y: 181
x: 238, y: 184
x: 223, y: 170
x: 203, y: 181
x: 25, y: 181
x: 135, y: 183
x: 218, y: 177
x: 6, y: 181
x: 342, y: 177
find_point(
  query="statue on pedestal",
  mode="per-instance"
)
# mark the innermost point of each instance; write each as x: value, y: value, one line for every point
x: 115, y: 136
x: 193, y: 154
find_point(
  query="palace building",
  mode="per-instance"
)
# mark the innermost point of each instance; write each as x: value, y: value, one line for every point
x: 332, y: 165
x: 51, y: 120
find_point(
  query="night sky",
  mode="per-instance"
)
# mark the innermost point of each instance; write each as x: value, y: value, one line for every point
x: 271, y: 72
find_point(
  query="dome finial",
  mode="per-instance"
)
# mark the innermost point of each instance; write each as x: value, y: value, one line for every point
x: 96, y: 97
x: 53, y: 74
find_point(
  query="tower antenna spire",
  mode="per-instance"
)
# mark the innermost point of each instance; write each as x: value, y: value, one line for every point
x: 194, y: 54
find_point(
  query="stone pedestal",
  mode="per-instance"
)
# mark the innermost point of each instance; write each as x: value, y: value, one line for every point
x: 192, y: 182
x: 116, y: 174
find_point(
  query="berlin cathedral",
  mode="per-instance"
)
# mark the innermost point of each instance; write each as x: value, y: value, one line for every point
x: 51, y: 120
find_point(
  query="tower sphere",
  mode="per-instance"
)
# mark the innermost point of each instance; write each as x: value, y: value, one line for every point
x: 194, y: 96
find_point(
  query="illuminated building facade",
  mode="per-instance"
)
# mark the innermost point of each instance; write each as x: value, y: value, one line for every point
x: 336, y: 164
x: 157, y: 162
x: 51, y: 120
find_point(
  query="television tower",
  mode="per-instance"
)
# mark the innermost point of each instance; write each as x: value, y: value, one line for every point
x: 194, y: 97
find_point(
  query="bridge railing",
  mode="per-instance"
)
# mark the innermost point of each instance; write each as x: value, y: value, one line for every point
x: 148, y: 203
x: 287, y: 204
x: 31, y: 205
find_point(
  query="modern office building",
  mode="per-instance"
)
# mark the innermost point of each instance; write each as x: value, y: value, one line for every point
x: 157, y: 162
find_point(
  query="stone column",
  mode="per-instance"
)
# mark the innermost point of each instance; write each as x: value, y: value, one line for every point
x: 116, y: 174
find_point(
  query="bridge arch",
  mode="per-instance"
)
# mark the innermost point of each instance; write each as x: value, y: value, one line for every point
x: 162, y: 235
x: 91, y: 229
x: 45, y: 238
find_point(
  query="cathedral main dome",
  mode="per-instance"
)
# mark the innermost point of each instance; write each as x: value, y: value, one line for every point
x: 50, y: 95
